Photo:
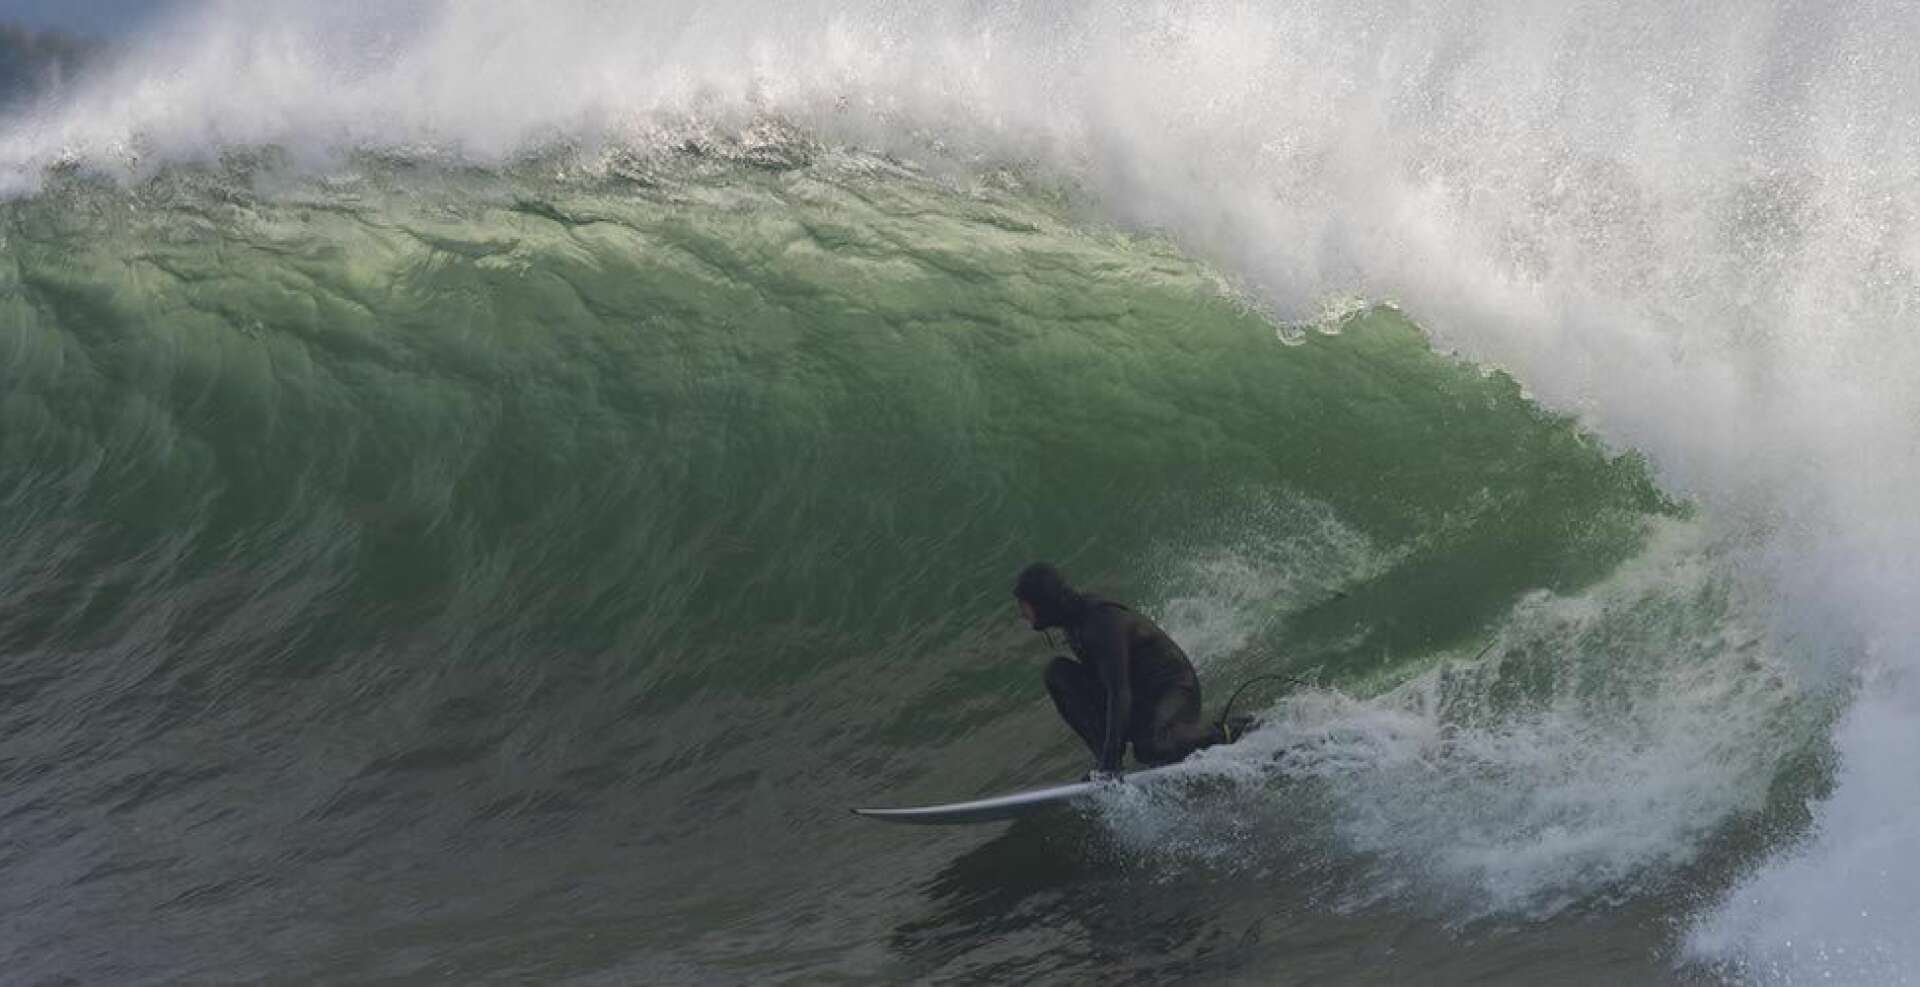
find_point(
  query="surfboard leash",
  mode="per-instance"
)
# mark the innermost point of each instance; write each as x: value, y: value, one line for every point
x: 1227, y: 710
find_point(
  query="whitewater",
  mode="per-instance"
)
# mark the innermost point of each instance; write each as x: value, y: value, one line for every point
x: 486, y: 486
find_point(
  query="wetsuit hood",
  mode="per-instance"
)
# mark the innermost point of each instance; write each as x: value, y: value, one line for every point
x: 1055, y: 604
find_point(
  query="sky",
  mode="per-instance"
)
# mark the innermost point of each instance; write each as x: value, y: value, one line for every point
x: 95, y: 18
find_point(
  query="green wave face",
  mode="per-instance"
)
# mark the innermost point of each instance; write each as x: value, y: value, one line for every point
x: 780, y: 413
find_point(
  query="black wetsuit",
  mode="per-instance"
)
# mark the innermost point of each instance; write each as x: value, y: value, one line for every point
x: 1130, y: 684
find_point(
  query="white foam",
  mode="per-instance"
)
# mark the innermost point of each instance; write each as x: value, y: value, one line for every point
x: 1591, y: 750
x: 1841, y: 909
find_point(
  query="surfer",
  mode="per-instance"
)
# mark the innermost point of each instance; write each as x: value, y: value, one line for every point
x: 1128, y: 682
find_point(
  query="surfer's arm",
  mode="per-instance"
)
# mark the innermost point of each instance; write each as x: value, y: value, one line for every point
x: 1109, y: 645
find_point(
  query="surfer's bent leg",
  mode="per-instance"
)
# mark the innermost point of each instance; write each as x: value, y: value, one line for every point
x: 1172, y: 728
x: 1077, y: 694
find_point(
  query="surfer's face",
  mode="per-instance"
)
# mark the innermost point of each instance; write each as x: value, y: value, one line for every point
x: 1026, y: 612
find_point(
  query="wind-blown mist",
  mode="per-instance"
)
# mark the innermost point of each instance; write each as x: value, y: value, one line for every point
x: 1695, y: 227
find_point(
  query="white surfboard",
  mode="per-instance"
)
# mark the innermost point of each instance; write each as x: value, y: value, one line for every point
x: 1010, y: 805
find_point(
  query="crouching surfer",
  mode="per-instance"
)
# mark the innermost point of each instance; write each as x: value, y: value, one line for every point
x: 1127, y: 682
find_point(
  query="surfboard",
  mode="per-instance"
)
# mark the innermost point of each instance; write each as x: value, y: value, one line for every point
x: 1010, y: 805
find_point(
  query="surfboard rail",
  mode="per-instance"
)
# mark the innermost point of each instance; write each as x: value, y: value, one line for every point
x: 1008, y: 806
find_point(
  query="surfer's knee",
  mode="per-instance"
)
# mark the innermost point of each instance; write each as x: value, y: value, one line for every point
x: 1152, y: 754
x: 1165, y: 746
x: 1062, y: 675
